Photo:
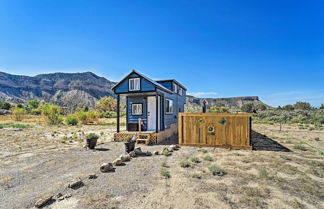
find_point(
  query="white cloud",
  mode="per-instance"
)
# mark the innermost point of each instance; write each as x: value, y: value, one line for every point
x: 203, y: 94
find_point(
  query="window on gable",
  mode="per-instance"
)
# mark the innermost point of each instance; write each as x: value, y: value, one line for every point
x: 168, y: 106
x: 137, y: 109
x: 134, y: 84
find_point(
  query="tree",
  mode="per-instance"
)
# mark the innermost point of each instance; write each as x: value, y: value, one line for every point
x: 219, y: 108
x: 33, y: 103
x: 5, y: 105
x: 288, y: 107
x: 303, y: 106
x: 248, y: 107
x: 322, y: 107
x: 261, y: 107
x: 106, y: 104
x: 52, y: 113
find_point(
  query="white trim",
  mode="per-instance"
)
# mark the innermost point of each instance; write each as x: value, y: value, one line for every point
x: 136, y: 84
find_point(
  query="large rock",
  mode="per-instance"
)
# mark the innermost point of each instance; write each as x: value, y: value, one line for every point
x: 117, y: 162
x: 125, y: 158
x: 148, y: 153
x: 43, y: 201
x: 107, y: 167
x: 132, y: 154
x: 76, y: 184
x: 138, y: 151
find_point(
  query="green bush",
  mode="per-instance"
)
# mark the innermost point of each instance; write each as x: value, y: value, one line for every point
x: 52, y: 113
x: 18, y: 113
x: 164, y: 172
x: 88, y: 117
x: 185, y: 164
x: 263, y: 173
x: 14, y: 125
x: 5, y: 105
x: 72, y: 120
x: 208, y: 158
x: 195, y: 160
x: 216, y: 170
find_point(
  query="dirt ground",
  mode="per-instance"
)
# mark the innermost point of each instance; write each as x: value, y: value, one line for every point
x: 281, y: 171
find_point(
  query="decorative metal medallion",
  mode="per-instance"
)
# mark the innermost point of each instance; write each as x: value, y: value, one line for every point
x: 222, y: 121
x: 211, y: 131
x: 200, y: 121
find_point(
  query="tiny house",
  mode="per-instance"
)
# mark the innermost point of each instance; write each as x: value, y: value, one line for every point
x: 154, y: 104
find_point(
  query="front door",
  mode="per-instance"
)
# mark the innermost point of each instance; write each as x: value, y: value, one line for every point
x: 151, y: 113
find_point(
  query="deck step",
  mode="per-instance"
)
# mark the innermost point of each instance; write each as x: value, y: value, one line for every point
x: 143, y: 141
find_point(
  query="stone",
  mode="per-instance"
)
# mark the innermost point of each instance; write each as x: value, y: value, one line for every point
x: 67, y: 196
x: 59, y: 195
x: 117, y: 162
x: 156, y: 152
x: 173, y: 147
x: 148, y: 153
x: 125, y: 158
x: 132, y: 154
x: 138, y: 151
x: 76, y: 184
x: 92, y: 176
x: 106, y: 167
x: 43, y: 201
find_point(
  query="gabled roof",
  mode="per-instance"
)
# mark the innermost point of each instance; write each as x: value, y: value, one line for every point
x: 156, y: 84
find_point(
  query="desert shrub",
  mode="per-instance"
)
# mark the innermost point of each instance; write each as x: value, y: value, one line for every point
x: 14, y: 125
x: 216, y: 170
x: 208, y: 158
x: 17, y: 113
x: 317, y: 139
x: 300, y: 147
x: 202, y: 150
x: 164, y: 164
x: 195, y: 160
x: 91, y: 136
x: 285, y: 157
x: 88, y: 117
x: 248, y: 107
x: 165, y: 173
x: 184, y: 163
x: 263, y: 173
x: 260, y: 107
x: 52, y: 113
x: 72, y: 120
x: 106, y: 104
x: 288, y: 107
x: 5, y: 105
x: 219, y: 108
x: 302, y: 106
x: 321, y: 107
x: 166, y: 152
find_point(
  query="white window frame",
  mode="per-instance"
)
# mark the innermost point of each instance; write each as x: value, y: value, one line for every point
x: 168, y: 110
x: 180, y: 91
x: 175, y: 88
x: 137, y: 109
x: 136, y: 84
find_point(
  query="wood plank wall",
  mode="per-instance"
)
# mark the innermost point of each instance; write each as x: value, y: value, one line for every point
x: 216, y: 130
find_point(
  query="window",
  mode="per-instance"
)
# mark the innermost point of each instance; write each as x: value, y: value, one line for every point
x: 168, y: 106
x: 175, y: 88
x: 134, y: 84
x: 180, y: 91
x: 137, y: 109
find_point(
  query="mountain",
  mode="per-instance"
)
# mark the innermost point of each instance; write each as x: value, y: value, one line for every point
x: 80, y: 89
x: 65, y: 89
x: 195, y: 103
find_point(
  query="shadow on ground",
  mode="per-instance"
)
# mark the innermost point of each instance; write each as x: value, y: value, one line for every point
x: 262, y: 142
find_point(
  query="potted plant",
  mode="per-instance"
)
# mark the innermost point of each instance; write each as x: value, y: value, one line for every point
x: 92, y: 140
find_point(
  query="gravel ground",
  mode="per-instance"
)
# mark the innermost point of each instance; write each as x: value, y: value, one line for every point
x: 34, y: 163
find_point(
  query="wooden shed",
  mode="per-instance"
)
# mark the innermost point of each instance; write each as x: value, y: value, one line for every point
x: 215, y: 130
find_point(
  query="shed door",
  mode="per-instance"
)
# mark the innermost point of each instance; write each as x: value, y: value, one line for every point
x: 151, y: 113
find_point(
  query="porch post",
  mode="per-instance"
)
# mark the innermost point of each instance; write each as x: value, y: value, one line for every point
x: 157, y: 112
x: 118, y: 110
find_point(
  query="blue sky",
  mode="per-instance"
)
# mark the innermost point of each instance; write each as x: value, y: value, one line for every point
x: 272, y: 49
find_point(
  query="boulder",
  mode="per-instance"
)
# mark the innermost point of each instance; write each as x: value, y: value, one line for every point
x: 156, y: 152
x: 138, y: 151
x: 124, y: 158
x: 106, y: 167
x: 92, y: 176
x: 43, y: 201
x: 117, y: 162
x: 132, y: 154
x: 173, y: 147
x: 76, y: 184
x: 148, y: 153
